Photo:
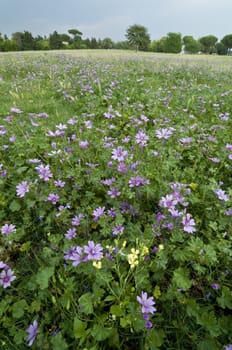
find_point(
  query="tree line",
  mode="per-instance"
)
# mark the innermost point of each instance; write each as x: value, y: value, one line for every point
x: 137, y: 37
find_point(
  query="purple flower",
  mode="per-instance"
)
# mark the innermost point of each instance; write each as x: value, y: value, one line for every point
x: 188, y: 224
x: 221, y: 195
x: 141, y: 138
x: 6, y: 277
x: 228, y: 347
x: 94, y: 252
x: 3, y: 265
x: 32, y: 331
x: 53, y: 198
x: 84, y: 144
x: 71, y: 253
x: 76, y: 256
x: 22, y: 188
x: 214, y: 159
x: 229, y: 212
x: 44, y: 172
x: 98, y: 212
x: 15, y: 110
x: 112, y: 212
x: 164, y: 133
x: 149, y: 324
x: 119, y: 154
x: 72, y: 121
x: 118, y: 229
x: 71, y: 233
x: 137, y: 181
x: 59, y: 183
x: 168, y: 202
x: 147, y: 303
x: 7, y: 229
x: 108, y: 182
x: 113, y: 192
x: 121, y: 168
x: 215, y: 286
x: 77, y: 219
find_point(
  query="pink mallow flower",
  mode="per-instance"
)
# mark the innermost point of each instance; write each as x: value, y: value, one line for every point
x: 188, y: 223
x: 6, y: 277
x: 147, y: 303
x: 7, y: 229
x: 22, y: 188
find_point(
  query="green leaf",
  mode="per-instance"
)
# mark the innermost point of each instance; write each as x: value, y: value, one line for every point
x: 116, y: 310
x: 19, y: 308
x: 79, y: 328
x: 155, y: 338
x: 100, y: 333
x: 208, y: 344
x: 14, y: 206
x: 209, y: 321
x: 58, y: 342
x: 180, y: 278
x: 225, y: 300
x: 43, y: 276
x: 86, y: 303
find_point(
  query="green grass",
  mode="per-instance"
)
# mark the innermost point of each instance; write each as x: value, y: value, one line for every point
x: 165, y: 201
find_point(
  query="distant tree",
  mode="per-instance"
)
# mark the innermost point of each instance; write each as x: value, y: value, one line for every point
x: 173, y: 43
x: 93, y: 43
x: 28, y: 42
x: 221, y: 49
x: 76, y: 39
x: 9, y: 45
x: 1, y: 42
x: 191, y: 45
x: 41, y: 43
x: 208, y: 43
x: 227, y: 41
x: 121, y: 45
x: 138, y: 37
x: 99, y: 44
x: 107, y: 43
x: 154, y: 46
x: 17, y: 37
x: 55, y: 41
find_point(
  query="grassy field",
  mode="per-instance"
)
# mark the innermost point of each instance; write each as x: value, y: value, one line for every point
x: 115, y: 201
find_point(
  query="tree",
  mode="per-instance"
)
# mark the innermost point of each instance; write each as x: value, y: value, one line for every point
x: 138, y: 37
x: 41, y: 43
x: 208, y: 43
x: 173, y: 43
x: 28, y: 42
x: 107, y: 43
x: 191, y: 45
x: 9, y: 45
x: 93, y: 43
x: 17, y: 37
x: 227, y: 41
x: 55, y: 41
x: 76, y: 39
x: 221, y: 49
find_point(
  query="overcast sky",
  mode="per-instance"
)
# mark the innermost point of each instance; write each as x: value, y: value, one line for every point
x: 111, y: 18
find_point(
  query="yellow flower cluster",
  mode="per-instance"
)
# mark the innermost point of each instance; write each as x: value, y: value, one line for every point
x: 133, y: 257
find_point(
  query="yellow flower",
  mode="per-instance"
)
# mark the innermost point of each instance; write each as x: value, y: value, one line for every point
x: 97, y: 264
x: 133, y: 257
x: 145, y: 250
x: 123, y: 244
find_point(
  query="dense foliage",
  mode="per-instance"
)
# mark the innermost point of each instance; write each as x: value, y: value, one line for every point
x: 115, y: 202
x: 137, y: 37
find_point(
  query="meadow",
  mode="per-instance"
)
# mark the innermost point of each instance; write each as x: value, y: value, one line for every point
x: 115, y: 201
